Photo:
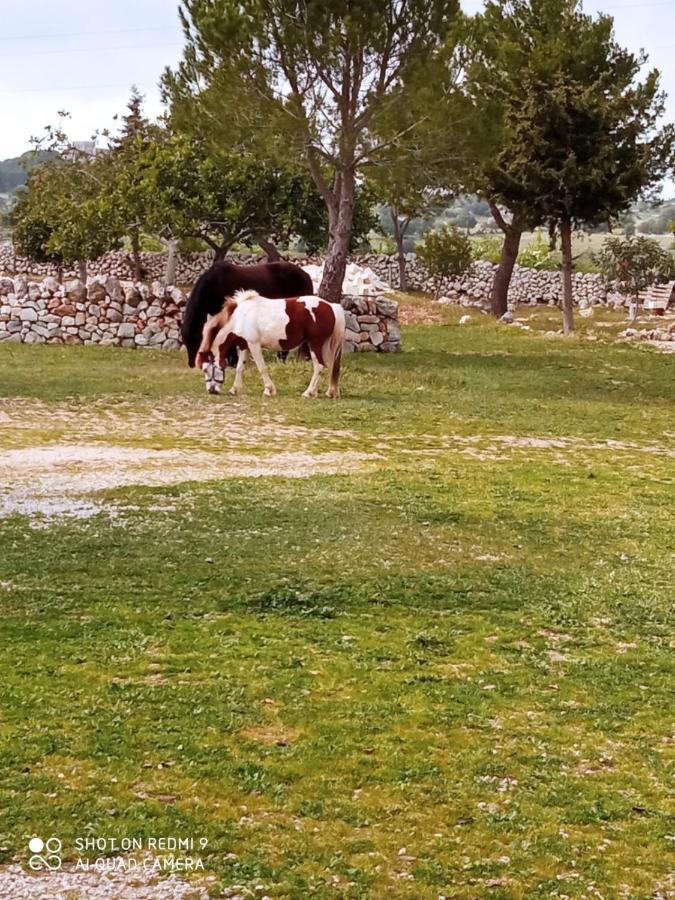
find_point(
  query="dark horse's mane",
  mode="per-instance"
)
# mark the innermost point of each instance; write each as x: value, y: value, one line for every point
x: 274, y: 280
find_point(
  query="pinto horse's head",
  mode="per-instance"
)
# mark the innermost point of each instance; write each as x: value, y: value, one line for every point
x: 214, y: 377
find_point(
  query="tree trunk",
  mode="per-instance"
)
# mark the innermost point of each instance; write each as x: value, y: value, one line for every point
x: 136, y: 255
x: 170, y: 270
x: 633, y: 307
x: 82, y: 269
x: 271, y: 251
x: 500, y: 286
x: 340, y: 219
x: 566, y: 247
x: 499, y: 296
x: 220, y: 253
x: 399, y: 234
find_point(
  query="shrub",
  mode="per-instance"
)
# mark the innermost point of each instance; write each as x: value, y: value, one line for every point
x: 538, y: 255
x: 634, y: 263
x: 488, y: 248
x: 445, y: 253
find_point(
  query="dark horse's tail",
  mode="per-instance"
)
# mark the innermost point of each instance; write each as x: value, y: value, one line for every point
x: 222, y: 280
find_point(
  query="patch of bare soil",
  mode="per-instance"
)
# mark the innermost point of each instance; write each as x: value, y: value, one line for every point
x: 55, y: 481
x: 272, y: 733
x: 57, y: 457
x: 17, y: 884
x: 181, y: 420
x: 430, y: 313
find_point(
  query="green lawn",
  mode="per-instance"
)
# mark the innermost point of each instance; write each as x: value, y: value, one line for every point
x: 446, y: 673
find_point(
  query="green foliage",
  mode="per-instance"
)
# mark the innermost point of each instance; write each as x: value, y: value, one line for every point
x: 32, y: 228
x: 575, y: 139
x: 538, y: 255
x: 586, y: 264
x: 313, y: 82
x: 658, y: 221
x: 634, y: 263
x: 382, y: 243
x: 580, y: 131
x: 66, y: 212
x: 445, y: 253
x: 150, y: 186
x: 236, y: 198
x: 488, y: 248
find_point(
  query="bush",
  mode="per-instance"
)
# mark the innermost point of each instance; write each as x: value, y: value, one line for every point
x: 446, y: 253
x: 586, y: 264
x: 488, y: 248
x: 634, y: 263
x: 538, y: 255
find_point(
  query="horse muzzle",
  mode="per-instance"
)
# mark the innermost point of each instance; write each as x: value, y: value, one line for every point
x: 214, y: 377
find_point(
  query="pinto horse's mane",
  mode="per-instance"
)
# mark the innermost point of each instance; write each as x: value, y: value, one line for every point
x: 244, y: 296
x: 223, y: 279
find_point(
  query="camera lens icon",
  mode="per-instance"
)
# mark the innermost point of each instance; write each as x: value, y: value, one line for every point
x: 52, y: 853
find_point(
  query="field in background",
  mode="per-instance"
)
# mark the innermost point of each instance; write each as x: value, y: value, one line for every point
x: 444, y: 669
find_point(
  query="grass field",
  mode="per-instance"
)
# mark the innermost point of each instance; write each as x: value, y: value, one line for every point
x: 444, y: 669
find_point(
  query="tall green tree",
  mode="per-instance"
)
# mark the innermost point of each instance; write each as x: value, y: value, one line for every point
x: 65, y: 214
x: 131, y: 180
x: 578, y: 133
x: 306, y: 80
x: 233, y: 198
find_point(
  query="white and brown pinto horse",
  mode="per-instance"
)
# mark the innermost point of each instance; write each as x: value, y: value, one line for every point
x: 251, y: 323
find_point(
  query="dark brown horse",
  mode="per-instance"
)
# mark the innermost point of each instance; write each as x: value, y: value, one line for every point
x: 276, y: 280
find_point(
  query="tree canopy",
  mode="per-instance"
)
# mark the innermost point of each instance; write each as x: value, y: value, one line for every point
x: 579, y: 137
x: 306, y: 80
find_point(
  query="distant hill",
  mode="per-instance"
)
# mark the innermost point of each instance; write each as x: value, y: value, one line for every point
x: 473, y: 215
x: 13, y: 172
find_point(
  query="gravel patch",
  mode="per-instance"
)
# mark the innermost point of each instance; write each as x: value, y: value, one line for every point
x: 17, y: 884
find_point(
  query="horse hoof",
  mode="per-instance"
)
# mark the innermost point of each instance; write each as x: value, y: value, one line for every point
x: 309, y: 395
x: 233, y: 392
x: 269, y: 393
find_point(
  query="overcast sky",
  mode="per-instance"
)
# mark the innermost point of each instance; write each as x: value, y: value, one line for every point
x: 83, y: 57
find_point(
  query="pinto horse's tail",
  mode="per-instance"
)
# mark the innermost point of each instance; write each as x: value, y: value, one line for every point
x: 334, y: 350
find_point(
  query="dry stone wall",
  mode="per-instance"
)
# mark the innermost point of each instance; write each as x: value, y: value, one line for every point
x: 527, y: 286
x: 108, y: 311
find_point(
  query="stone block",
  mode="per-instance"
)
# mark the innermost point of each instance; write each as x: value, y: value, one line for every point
x: 126, y: 330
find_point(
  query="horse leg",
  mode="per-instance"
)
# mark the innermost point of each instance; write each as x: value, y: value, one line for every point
x: 314, y: 383
x: 239, y: 373
x: 259, y: 360
x: 333, y: 390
